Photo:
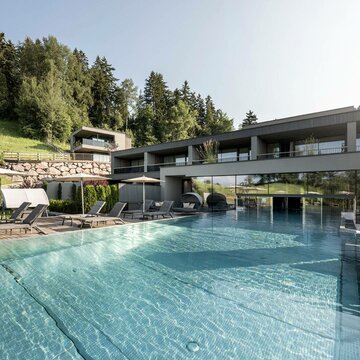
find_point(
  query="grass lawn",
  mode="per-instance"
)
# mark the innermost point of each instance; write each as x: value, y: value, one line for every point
x: 12, y: 140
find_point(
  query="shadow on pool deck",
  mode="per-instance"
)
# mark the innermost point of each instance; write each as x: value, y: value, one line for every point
x: 212, y: 260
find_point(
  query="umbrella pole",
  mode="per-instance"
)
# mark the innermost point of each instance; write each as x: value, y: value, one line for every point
x: 82, y: 196
x: 143, y: 197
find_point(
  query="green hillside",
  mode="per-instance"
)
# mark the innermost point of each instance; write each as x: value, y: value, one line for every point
x: 12, y: 140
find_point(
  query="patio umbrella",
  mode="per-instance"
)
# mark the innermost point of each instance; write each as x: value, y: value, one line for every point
x: 9, y: 172
x: 143, y: 180
x: 81, y: 177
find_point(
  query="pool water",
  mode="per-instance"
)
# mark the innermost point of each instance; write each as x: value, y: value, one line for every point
x: 213, y: 286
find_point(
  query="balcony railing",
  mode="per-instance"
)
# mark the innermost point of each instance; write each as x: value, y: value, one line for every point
x: 129, y: 169
x: 92, y: 142
x: 305, y: 152
x: 239, y: 158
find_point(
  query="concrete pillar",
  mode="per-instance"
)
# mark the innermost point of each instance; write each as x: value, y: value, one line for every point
x: 149, y: 159
x: 193, y: 155
x: 291, y: 148
x: 146, y: 161
x: 351, y: 136
x: 171, y: 188
x: 258, y: 147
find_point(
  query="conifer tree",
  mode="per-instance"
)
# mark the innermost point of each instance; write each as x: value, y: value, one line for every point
x: 9, y: 78
x: 102, y: 90
x: 250, y: 119
x: 158, y: 97
x: 79, y: 86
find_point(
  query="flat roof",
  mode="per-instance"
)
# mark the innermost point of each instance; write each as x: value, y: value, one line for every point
x: 87, y: 131
x: 300, y: 123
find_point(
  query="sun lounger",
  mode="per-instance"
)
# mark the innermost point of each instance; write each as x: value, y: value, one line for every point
x: 94, y: 211
x: 148, y: 205
x: 28, y: 223
x: 163, y: 211
x: 190, y: 208
x: 17, y: 213
x: 113, y: 215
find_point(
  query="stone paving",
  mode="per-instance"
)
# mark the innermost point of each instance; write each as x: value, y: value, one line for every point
x: 53, y: 224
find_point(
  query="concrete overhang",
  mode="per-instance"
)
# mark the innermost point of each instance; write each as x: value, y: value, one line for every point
x: 86, y: 131
x: 333, y: 162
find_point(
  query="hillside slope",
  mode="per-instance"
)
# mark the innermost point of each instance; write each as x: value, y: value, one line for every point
x: 12, y: 140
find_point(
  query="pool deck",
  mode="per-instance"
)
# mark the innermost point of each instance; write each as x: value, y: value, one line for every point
x: 53, y: 224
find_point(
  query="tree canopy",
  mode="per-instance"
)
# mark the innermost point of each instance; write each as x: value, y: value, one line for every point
x: 52, y: 90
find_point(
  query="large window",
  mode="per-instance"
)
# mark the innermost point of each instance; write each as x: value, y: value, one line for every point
x: 337, y: 186
x: 227, y: 155
x: 319, y: 148
x: 244, y: 154
x: 175, y: 160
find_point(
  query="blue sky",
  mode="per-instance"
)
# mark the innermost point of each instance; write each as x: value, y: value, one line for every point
x: 279, y: 58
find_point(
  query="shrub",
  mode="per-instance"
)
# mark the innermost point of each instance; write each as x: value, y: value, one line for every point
x: 59, y: 192
x: 73, y: 192
x: 114, y: 194
x: 64, y: 206
x: 90, y: 197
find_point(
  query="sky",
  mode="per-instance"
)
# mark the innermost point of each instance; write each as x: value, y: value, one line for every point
x: 278, y: 58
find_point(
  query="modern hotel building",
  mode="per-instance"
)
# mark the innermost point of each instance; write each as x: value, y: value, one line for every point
x: 284, y: 161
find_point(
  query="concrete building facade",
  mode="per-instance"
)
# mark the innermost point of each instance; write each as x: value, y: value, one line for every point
x: 312, y: 155
x: 97, y: 143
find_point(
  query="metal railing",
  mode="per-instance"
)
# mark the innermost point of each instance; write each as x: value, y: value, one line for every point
x: 305, y: 152
x: 239, y: 158
x: 129, y: 169
x: 22, y: 157
x: 98, y: 143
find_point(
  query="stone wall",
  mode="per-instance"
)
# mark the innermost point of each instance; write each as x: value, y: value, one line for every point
x: 38, y: 171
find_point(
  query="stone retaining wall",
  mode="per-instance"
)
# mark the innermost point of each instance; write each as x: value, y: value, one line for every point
x: 50, y: 169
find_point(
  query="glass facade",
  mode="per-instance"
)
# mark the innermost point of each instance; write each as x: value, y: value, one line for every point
x: 336, y: 188
x: 177, y: 160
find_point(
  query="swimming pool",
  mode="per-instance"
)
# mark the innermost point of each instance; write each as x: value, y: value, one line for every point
x: 202, y: 287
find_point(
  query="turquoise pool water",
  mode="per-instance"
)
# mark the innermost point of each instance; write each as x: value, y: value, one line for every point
x: 206, y: 287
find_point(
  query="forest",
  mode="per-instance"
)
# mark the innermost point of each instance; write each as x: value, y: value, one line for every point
x: 51, y: 90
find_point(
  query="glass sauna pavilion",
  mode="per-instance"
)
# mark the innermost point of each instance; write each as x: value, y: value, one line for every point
x: 280, y: 162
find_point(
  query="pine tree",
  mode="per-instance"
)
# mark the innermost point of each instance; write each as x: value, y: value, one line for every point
x: 158, y: 97
x: 32, y: 59
x: 142, y: 126
x: 201, y: 114
x: 250, y: 119
x: 185, y: 92
x: 79, y: 86
x: 9, y: 78
x: 102, y: 90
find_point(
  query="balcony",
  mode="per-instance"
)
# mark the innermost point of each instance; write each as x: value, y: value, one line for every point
x: 240, y: 158
x: 305, y: 152
x: 89, y: 145
x: 129, y: 169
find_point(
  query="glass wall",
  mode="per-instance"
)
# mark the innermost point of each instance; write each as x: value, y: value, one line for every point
x: 319, y: 148
x: 227, y: 155
x: 337, y: 188
x: 177, y: 160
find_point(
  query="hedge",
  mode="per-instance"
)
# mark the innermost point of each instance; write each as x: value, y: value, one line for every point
x: 108, y: 193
